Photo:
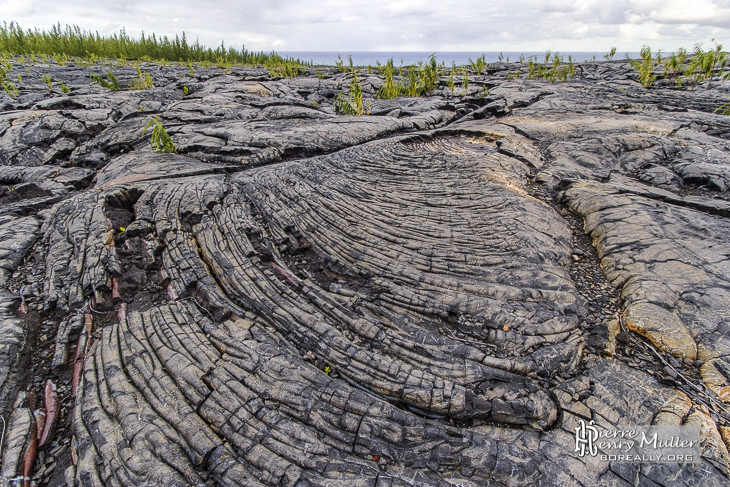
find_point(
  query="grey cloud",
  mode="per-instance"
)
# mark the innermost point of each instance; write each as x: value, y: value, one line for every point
x: 397, y: 24
x: 562, y: 6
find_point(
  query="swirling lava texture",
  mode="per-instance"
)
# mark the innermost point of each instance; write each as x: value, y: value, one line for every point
x: 404, y: 267
x: 301, y: 298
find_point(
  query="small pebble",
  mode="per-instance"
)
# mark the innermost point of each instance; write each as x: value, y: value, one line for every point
x: 670, y: 372
x: 623, y: 337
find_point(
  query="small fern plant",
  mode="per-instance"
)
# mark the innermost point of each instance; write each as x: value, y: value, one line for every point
x: 112, y: 84
x: 160, y: 139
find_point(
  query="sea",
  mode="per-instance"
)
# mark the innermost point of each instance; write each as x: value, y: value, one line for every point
x: 406, y: 58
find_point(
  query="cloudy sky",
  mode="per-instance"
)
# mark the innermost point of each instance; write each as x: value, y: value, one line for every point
x: 399, y: 25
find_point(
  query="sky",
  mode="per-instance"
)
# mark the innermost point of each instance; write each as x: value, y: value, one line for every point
x: 398, y: 25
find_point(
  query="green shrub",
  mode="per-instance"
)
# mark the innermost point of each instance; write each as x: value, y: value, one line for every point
x: 223, y: 63
x: 479, y: 64
x: 645, y: 67
x: 8, y: 86
x: 703, y: 65
x: 413, y: 89
x: 390, y: 88
x: 286, y: 69
x: 673, y: 66
x: 160, y: 139
x: 562, y: 73
x: 429, y: 75
x: 340, y: 64
x: 112, y: 84
x: 351, y: 105
x: 142, y: 82
x: 61, y: 59
x: 551, y: 70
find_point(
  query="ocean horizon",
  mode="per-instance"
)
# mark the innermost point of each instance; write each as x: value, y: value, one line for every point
x: 371, y: 58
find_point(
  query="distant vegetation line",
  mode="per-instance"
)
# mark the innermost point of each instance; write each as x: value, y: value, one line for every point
x: 679, y: 69
x: 73, y: 41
